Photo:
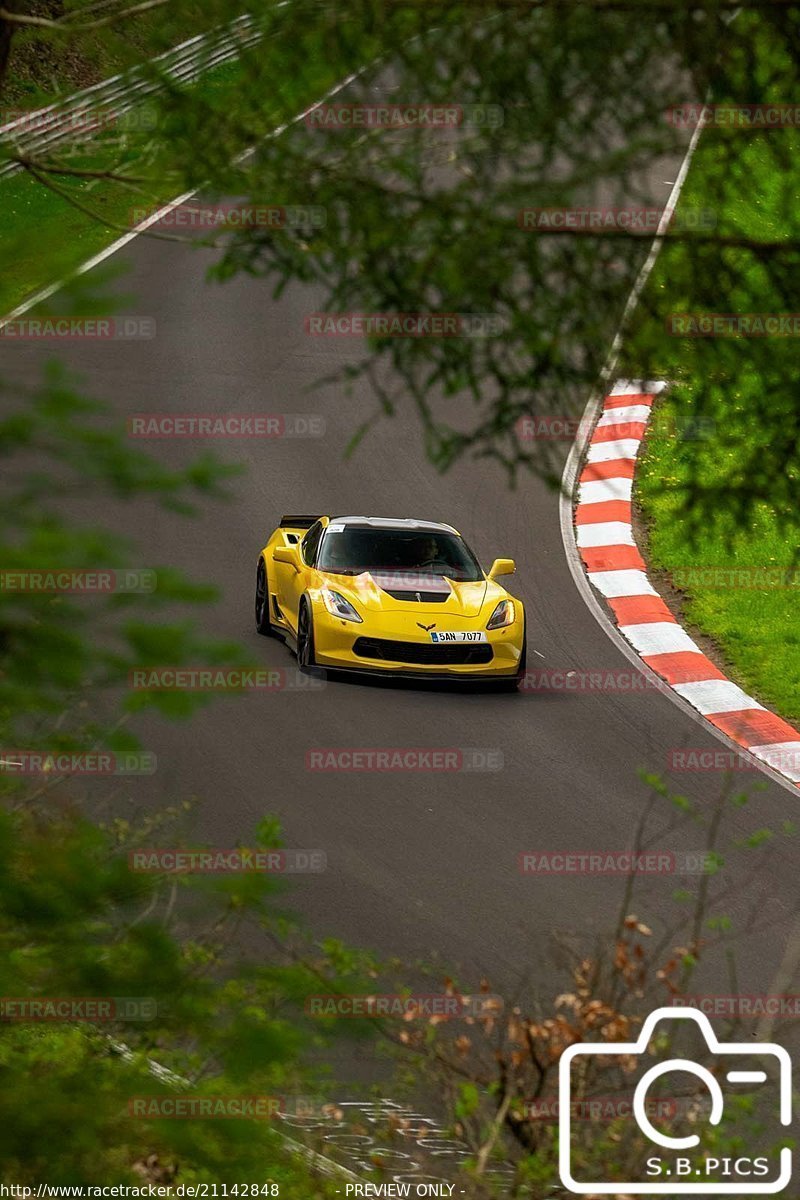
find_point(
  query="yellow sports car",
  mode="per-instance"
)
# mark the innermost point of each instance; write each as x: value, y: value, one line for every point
x: 389, y: 597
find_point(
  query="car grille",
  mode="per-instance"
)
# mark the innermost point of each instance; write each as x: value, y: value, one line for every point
x: 419, y: 597
x: 423, y: 653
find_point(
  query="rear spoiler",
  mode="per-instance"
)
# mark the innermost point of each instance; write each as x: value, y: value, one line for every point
x: 304, y: 521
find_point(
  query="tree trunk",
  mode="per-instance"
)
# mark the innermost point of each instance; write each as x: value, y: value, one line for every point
x: 42, y: 8
x: 6, y: 34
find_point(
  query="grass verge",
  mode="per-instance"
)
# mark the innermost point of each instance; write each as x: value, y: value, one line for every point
x: 48, y: 234
x: 724, y: 535
x: 45, y: 65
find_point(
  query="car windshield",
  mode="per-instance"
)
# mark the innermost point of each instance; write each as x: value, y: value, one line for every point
x: 351, y: 549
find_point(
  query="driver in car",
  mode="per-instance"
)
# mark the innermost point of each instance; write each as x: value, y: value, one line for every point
x: 429, y: 556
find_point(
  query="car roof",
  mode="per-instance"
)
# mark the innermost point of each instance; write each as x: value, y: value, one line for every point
x: 395, y: 523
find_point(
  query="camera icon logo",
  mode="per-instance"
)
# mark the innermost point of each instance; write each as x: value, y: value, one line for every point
x: 674, y: 1171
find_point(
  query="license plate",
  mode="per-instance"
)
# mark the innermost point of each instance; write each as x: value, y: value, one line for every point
x: 459, y: 635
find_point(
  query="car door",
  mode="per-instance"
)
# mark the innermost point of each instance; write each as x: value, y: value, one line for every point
x: 294, y: 583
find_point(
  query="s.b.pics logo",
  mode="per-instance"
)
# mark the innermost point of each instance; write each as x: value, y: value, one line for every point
x: 689, y: 1151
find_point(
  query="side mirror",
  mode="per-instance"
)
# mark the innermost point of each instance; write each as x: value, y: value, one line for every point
x: 287, y: 554
x: 502, y: 566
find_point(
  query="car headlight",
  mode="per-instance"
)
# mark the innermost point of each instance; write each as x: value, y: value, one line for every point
x: 503, y: 615
x: 337, y: 606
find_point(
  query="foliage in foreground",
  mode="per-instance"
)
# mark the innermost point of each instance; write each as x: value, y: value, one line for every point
x: 171, y: 957
x: 455, y: 219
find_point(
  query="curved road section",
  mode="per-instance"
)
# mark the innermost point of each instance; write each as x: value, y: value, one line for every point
x: 422, y: 862
x: 605, y: 540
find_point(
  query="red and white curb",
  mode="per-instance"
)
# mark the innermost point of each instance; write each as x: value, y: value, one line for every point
x: 604, y: 535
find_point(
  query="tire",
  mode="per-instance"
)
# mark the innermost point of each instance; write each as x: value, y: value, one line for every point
x: 513, y: 685
x: 263, y: 623
x: 305, y: 639
x: 523, y: 661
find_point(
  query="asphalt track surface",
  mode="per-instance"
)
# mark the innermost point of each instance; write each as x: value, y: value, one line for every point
x: 420, y: 865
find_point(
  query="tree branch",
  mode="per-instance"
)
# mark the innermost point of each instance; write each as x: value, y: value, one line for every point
x: 66, y: 24
x: 95, y: 216
x: 37, y: 166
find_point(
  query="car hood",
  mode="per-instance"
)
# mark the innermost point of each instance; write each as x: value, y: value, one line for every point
x: 410, y: 593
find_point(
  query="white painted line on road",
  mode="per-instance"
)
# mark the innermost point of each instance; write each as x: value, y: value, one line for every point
x: 649, y: 626
x: 729, y: 731
x: 46, y: 292
x: 329, y: 1166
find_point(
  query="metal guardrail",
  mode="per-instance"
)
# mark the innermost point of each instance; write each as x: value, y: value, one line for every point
x: 80, y: 115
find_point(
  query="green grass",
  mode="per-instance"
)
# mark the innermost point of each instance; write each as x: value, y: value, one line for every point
x: 46, y: 237
x: 738, y: 389
x: 756, y: 628
x: 45, y: 65
x: 50, y: 236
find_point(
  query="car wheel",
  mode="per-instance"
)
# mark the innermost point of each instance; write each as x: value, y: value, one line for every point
x: 263, y: 623
x: 513, y: 685
x: 523, y: 660
x: 305, y: 638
